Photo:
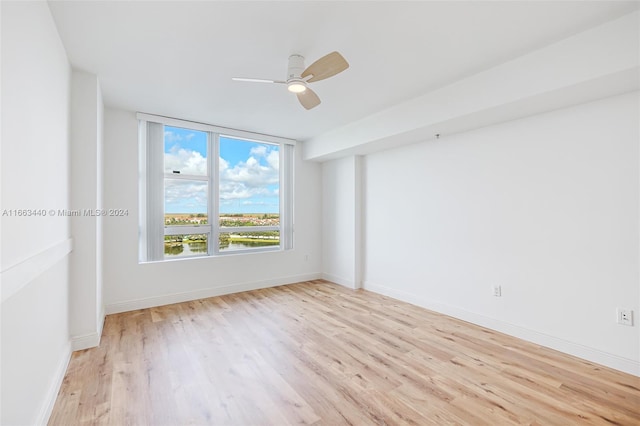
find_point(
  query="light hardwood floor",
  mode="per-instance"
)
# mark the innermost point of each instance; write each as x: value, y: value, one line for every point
x: 317, y: 353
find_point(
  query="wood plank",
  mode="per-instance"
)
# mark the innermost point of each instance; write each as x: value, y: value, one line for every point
x: 318, y: 353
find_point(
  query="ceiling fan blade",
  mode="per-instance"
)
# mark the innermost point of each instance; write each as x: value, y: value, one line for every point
x: 325, y: 67
x: 309, y: 99
x: 257, y: 80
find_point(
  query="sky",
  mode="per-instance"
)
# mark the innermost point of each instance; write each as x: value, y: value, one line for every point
x: 249, y: 174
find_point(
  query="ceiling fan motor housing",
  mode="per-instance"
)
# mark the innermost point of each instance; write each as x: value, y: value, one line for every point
x: 296, y: 67
x: 295, y: 83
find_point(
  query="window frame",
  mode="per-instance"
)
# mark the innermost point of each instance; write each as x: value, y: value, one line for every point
x: 152, y: 177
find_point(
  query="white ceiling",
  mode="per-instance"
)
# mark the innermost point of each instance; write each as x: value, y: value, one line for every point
x: 177, y: 58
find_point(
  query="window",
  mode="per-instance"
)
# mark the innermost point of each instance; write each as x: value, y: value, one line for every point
x: 191, y: 173
x: 186, y: 192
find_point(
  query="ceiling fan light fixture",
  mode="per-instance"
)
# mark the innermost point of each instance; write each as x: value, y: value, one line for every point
x: 298, y: 77
x: 296, y: 86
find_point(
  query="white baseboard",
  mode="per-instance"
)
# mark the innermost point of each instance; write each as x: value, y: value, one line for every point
x: 86, y: 341
x: 339, y: 280
x: 168, y: 299
x: 54, y: 388
x: 89, y: 340
x: 587, y: 353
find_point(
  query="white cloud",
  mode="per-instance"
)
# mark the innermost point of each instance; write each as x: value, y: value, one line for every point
x: 252, y: 173
x: 186, y: 161
x: 182, y: 196
x: 223, y: 165
x: 250, y: 178
x: 254, y: 181
x: 237, y: 190
x: 170, y: 136
x: 258, y: 151
x: 274, y: 160
x: 259, y: 203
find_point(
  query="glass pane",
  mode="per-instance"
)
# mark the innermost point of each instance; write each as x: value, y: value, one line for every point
x: 230, y: 241
x: 185, y: 202
x: 249, y: 183
x: 185, y: 151
x: 249, y: 219
x: 185, y: 245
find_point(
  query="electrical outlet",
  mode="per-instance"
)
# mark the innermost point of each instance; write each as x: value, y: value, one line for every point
x: 497, y: 291
x: 624, y: 316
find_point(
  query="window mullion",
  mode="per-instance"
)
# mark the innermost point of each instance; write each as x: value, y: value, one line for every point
x: 186, y: 229
x: 232, y: 229
x: 185, y: 177
x: 214, y: 192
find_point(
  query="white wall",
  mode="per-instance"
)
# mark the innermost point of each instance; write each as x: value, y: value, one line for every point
x: 545, y: 206
x: 130, y: 285
x: 341, y: 245
x: 87, y: 312
x: 35, y: 175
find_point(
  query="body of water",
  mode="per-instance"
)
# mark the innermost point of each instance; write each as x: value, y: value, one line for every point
x: 200, y: 248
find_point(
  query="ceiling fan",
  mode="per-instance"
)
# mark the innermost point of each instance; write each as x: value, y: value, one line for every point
x: 298, y: 77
